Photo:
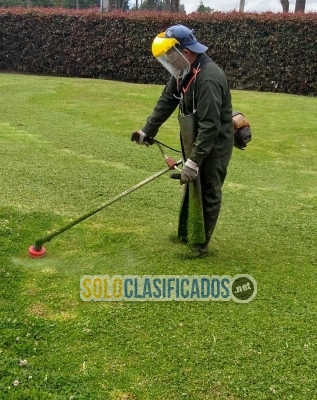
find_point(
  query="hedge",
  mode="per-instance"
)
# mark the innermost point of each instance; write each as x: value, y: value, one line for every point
x: 267, y: 52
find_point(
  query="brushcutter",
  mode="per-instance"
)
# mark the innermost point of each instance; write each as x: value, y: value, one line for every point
x: 38, y: 250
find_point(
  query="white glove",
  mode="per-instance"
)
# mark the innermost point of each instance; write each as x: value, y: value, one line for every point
x: 142, y: 136
x: 189, y: 172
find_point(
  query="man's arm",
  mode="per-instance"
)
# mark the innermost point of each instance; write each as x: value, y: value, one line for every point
x: 164, y: 108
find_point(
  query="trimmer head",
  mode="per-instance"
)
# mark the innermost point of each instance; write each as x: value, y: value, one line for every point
x: 36, y: 253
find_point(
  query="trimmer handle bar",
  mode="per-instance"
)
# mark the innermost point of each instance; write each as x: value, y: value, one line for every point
x: 175, y: 175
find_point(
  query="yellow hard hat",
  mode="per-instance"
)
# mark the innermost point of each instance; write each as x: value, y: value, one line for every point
x: 161, y: 45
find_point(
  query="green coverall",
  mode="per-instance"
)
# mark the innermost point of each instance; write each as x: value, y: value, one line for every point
x: 213, y: 124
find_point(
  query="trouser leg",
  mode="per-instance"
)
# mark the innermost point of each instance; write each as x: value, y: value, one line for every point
x: 213, y: 173
x: 183, y: 216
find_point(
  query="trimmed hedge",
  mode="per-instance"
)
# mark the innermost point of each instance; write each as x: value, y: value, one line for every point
x: 268, y: 52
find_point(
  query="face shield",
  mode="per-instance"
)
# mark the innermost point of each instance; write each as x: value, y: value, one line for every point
x: 164, y: 50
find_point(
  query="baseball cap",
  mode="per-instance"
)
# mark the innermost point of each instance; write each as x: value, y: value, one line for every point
x: 186, y: 38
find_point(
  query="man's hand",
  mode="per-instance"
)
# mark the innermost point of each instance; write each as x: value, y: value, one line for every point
x: 140, y: 138
x: 189, y: 172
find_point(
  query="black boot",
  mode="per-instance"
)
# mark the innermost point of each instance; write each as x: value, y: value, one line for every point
x: 210, y: 221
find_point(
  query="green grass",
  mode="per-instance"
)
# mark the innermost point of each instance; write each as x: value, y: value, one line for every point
x: 65, y: 150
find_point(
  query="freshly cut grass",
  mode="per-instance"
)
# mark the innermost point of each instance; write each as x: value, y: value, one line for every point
x: 65, y: 149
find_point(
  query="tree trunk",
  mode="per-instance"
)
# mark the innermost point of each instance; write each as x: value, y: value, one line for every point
x: 300, y: 5
x: 174, y: 5
x: 285, y: 5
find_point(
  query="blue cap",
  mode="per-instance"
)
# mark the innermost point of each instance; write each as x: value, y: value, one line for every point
x: 186, y: 38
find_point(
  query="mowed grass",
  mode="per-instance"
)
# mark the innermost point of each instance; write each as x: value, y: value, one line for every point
x: 65, y: 150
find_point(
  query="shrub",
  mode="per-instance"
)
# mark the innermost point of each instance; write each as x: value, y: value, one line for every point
x: 268, y: 52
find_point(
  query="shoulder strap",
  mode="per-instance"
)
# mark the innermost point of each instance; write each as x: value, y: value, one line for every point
x: 201, y: 61
x: 195, y: 71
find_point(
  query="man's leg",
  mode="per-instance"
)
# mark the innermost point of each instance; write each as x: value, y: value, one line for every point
x: 213, y: 172
x: 183, y: 217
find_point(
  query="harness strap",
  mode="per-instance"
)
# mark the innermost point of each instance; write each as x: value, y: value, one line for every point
x: 195, y: 72
x: 182, y: 87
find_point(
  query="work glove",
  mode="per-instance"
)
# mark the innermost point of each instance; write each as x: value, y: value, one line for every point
x: 189, y: 172
x: 140, y: 137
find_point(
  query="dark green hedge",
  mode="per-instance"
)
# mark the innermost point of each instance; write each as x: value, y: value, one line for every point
x: 268, y: 52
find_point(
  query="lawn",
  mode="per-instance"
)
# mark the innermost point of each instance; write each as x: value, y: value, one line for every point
x: 65, y: 150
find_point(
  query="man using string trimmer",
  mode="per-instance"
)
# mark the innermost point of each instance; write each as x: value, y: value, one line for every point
x: 199, y: 87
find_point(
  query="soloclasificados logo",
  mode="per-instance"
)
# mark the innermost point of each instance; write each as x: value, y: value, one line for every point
x: 241, y: 288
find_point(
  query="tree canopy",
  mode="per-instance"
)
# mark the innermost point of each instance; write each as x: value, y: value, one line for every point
x: 203, y: 9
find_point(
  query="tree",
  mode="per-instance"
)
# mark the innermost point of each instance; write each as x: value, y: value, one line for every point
x: 157, y: 5
x: 174, y: 5
x: 203, y: 9
x: 161, y: 5
x: 300, y: 6
x: 285, y: 5
x: 119, y: 4
x: 182, y: 8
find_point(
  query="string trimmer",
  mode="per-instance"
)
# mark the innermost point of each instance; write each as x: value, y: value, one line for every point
x: 38, y: 250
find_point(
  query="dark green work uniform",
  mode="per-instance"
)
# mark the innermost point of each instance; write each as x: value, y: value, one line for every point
x: 204, y: 92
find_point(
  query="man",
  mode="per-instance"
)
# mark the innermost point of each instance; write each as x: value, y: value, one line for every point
x: 199, y: 87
